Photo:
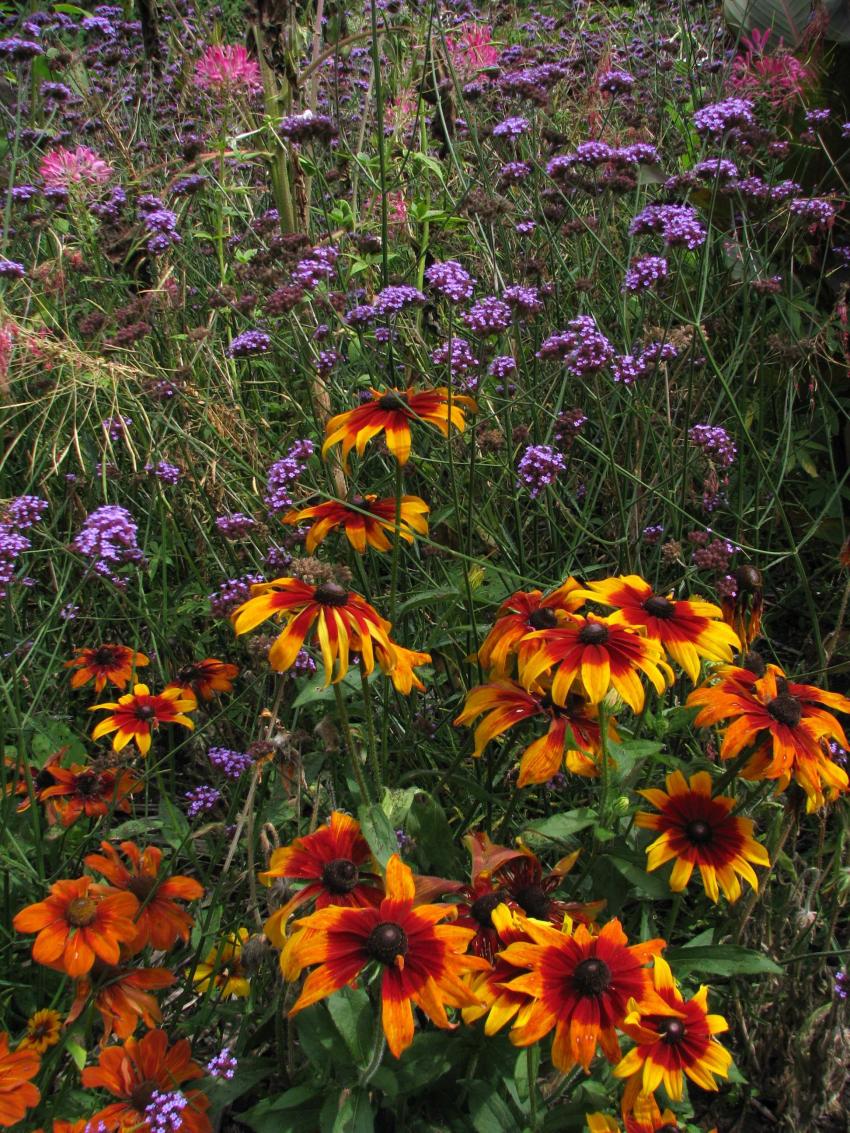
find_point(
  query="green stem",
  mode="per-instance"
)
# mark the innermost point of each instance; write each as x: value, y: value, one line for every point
x: 372, y: 743
x: 349, y: 743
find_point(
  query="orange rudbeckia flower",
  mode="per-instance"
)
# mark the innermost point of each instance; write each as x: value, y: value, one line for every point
x: 203, y: 679
x: 391, y: 411
x: 113, y: 663
x: 135, y: 714
x: 596, y: 654
x: 78, y: 922
x: 698, y: 830
x: 497, y: 1001
x: 365, y: 521
x: 44, y: 1029
x: 135, y: 1071
x: 78, y: 790
x: 646, y: 1117
x: 676, y: 1041
x: 572, y: 740
x: 525, y: 883
x: 422, y: 959
x: 17, y: 1093
x: 160, y: 922
x: 121, y: 997
x: 523, y: 613
x: 687, y: 630
x: 582, y: 986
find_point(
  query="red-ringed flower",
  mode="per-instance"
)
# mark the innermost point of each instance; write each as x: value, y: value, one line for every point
x: 113, y: 663
x: 77, y: 791
x: 498, y: 1002
x: 646, y: 1117
x: 742, y: 609
x: 121, y: 996
x: 572, y: 738
x: 366, y: 520
x: 337, y: 865
x: 582, y: 986
x: 676, y: 1041
x: 596, y: 655
x: 17, y: 1093
x: 521, y: 614
x: 203, y: 679
x: 687, y: 630
x: 698, y: 830
x: 421, y: 959
x: 391, y: 411
x: 479, y: 899
x: 785, y: 722
x: 525, y: 882
x: 222, y: 971
x: 135, y: 715
x: 44, y: 1029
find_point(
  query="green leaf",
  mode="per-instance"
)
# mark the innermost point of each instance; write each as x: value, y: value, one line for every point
x: 378, y: 832
x: 249, y: 1073
x: 355, y: 1114
x: 175, y: 826
x: 77, y: 1053
x: 649, y: 883
x: 559, y: 827
x: 396, y: 804
x: 316, y: 689
x: 721, y: 960
x: 320, y: 1040
x: 787, y: 19
x: 352, y: 1016
x: 489, y: 1112
x: 295, y: 1111
x: 435, y: 843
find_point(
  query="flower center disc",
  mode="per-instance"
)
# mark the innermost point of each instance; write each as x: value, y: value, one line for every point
x: 142, y: 1095
x: 754, y: 663
x: 482, y: 908
x: 748, y: 579
x: 392, y: 401
x: 659, y: 607
x: 543, y: 619
x: 699, y: 832
x: 387, y: 941
x: 104, y: 656
x: 672, y: 1031
x: 534, y: 902
x: 340, y: 875
x: 330, y: 594
x: 86, y: 784
x: 668, y: 1128
x: 81, y: 912
x: 145, y: 712
x: 141, y: 887
x: 786, y: 709
x: 592, y: 977
x: 594, y: 633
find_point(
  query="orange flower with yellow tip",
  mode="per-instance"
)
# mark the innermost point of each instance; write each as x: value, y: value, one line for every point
x: 223, y: 972
x: 595, y: 655
x: 399, y: 666
x: 582, y: 986
x: 135, y: 715
x: 203, y: 679
x: 44, y: 1029
x: 421, y: 960
x: 365, y: 521
x: 77, y: 923
x: 785, y: 722
x: 391, y: 412
x: 112, y: 663
x: 742, y: 609
x: 523, y: 613
x: 688, y: 630
x: 646, y: 1117
x: 572, y: 738
x: 497, y: 1001
x: 122, y: 997
x: 699, y: 830
x: 17, y: 1093
x: 677, y: 1041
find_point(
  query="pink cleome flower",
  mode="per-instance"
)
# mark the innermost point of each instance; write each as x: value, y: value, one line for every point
x: 62, y: 168
x: 473, y: 49
x: 777, y: 76
x: 226, y: 67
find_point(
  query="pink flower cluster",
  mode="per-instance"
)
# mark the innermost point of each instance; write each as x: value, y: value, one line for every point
x: 227, y: 67
x: 62, y: 168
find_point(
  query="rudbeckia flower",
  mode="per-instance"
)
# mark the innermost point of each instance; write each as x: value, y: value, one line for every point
x: 222, y: 970
x: 498, y: 1002
x: 523, y: 613
x: 596, y: 654
x: 78, y: 922
x: 17, y: 1093
x: 79, y: 790
x: 676, y: 1041
x: 113, y: 663
x: 135, y: 714
x: 582, y: 986
x: 122, y: 997
x: 399, y: 665
x: 698, y: 830
x: 160, y: 922
x: 365, y: 521
x: 44, y: 1030
x: 687, y: 630
x: 572, y: 739
x: 482, y: 896
x: 742, y: 609
x: 646, y: 1117
x: 785, y: 722
x: 526, y: 883
x: 422, y: 960
x: 391, y: 412
x: 203, y: 679
x: 135, y: 1071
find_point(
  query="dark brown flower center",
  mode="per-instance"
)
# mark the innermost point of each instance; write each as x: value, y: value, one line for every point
x: 81, y: 912
x: 699, y: 832
x: 189, y: 673
x: 44, y: 779
x: 145, y: 712
x: 748, y: 579
x: 330, y: 594
x: 87, y: 784
x: 340, y: 875
x: 672, y: 1031
x: 659, y: 607
x: 594, y: 633
x: 543, y: 618
x: 106, y: 656
x: 141, y: 886
x: 592, y: 977
x: 754, y: 663
x: 387, y: 941
x: 141, y: 1096
x: 534, y: 902
x: 392, y: 401
x: 786, y: 709
x: 482, y: 907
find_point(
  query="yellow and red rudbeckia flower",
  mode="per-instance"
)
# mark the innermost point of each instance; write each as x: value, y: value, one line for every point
x: 344, y: 621
x: 422, y: 960
x: 134, y: 715
x: 742, y: 609
x: 391, y: 411
x: 676, y: 1041
x: 646, y: 1117
x: 17, y: 1093
x: 521, y: 614
x: 497, y: 1002
x: 596, y: 654
x: 786, y: 724
x: 222, y: 971
x: 687, y: 630
x: 525, y: 883
x: 44, y: 1029
x: 399, y: 665
x: 572, y: 739
x: 698, y: 830
x: 113, y: 663
x: 78, y: 790
x: 122, y: 997
x: 134, y: 1071
x: 203, y: 679
x: 160, y: 922
x: 582, y: 986
x: 365, y: 521
x: 78, y: 922
x: 337, y: 865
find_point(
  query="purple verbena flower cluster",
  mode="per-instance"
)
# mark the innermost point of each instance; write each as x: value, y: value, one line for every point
x: 715, y: 443
x: 283, y: 474
x: 232, y: 764
x: 23, y: 512
x: 248, y: 343
x: 678, y: 224
x: 235, y: 525
x: 109, y: 538
x: 718, y: 117
x: 396, y: 298
x: 488, y: 316
x: 164, y: 1112
x: 451, y: 280
x: 581, y: 347
x: 538, y: 467
x: 200, y: 800
x: 222, y: 1065
x: 645, y: 273
x: 232, y: 593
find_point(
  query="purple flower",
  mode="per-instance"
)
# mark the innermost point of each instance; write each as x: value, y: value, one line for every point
x: 223, y: 1065
x: 11, y: 269
x: 538, y: 467
x: 502, y: 367
x: 248, y: 343
x: 277, y: 558
x: 719, y: 168
x: 24, y: 511
x: 19, y: 50
x: 235, y: 525
x: 193, y: 183
x: 360, y: 316
x: 69, y: 611
x: 525, y: 227
x: 12, y: 545
x: 719, y: 117
x: 394, y: 299
x: 523, y: 299
x: 200, y: 800
x: 581, y: 347
x: 841, y: 984
x: 511, y: 128
x: 715, y: 443
x: 232, y: 593
x: 164, y: 1112
x: 818, y: 210
x: 108, y: 538
x: 307, y: 127
x: 488, y: 316
x: 458, y: 354
x: 167, y: 473
x: 315, y: 268
x: 116, y: 427
x: 616, y: 82
x: 653, y: 533
x: 514, y: 171
x: 645, y: 273
x: 283, y: 474
x: 231, y: 763
x: 678, y: 224
x: 451, y: 280
x: 304, y: 665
